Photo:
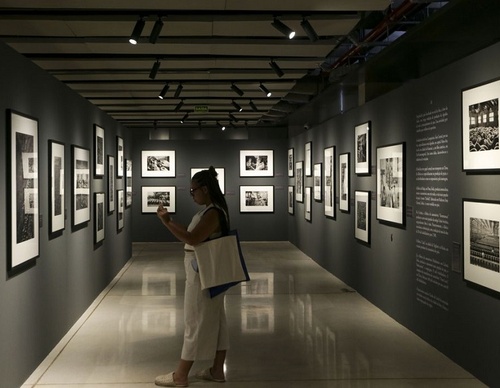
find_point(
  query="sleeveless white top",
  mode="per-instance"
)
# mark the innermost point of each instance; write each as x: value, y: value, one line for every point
x: 195, y: 220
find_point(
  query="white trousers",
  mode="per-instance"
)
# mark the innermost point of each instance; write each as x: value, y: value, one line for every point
x: 205, y: 329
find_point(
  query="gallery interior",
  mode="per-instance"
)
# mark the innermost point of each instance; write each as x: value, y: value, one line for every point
x: 377, y: 192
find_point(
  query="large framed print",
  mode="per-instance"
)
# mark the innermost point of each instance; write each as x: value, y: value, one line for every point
x: 153, y: 196
x: 318, y: 170
x: 299, y: 181
x: 362, y: 215
x: 56, y: 178
x: 362, y: 140
x: 256, y: 199
x: 158, y: 163
x: 81, y: 184
x: 256, y: 163
x: 308, y: 159
x: 481, y: 220
x: 111, y: 184
x: 291, y: 192
x: 23, y: 233
x: 128, y: 183
x: 391, y: 183
x: 480, y: 134
x: 120, y: 158
x: 291, y: 163
x: 308, y: 203
x: 329, y: 166
x: 344, y: 182
x: 99, y: 219
x: 120, y: 210
x: 99, y: 166
x: 220, y: 176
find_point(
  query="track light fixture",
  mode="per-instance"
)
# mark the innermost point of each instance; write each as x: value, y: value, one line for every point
x: 309, y: 30
x: 136, y: 33
x: 184, y: 118
x: 178, y: 91
x: 232, y: 117
x: 154, y: 69
x: 265, y: 90
x: 179, y: 106
x: 155, y: 32
x: 222, y: 127
x: 276, y: 69
x: 253, y: 106
x: 237, y: 89
x: 164, y: 91
x: 237, y: 106
x: 283, y: 28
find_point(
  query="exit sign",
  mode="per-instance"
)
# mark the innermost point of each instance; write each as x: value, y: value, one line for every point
x: 201, y: 108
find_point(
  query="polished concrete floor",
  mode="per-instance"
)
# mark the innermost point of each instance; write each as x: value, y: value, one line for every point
x: 293, y: 325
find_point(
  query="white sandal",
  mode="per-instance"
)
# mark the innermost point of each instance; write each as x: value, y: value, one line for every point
x: 168, y: 381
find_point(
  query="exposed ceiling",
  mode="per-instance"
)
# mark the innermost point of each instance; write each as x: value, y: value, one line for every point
x: 205, y: 47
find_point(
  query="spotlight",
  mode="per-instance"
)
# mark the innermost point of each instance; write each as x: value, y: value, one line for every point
x: 184, y: 118
x: 155, y: 32
x: 276, y: 69
x: 232, y: 117
x: 237, y: 89
x: 136, y: 33
x: 237, y: 106
x: 178, y: 91
x: 179, y: 106
x: 309, y: 30
x: 253, y: 106
x: 154, y: 69
x: 265, y: 90
x: 163, y: 91
x: 222, y: 127
x: 283, y: 28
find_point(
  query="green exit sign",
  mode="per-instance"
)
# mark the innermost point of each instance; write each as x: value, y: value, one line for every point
x: 201, y: 108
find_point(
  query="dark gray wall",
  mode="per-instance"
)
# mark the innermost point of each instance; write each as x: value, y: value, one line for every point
x: 385, y: 271
x: 39, y: 305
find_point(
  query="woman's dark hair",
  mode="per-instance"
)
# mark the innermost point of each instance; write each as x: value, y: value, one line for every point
x: 208, y: 178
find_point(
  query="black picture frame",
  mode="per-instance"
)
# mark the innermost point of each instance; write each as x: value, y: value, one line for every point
x: 153, y: 196
x: 329, y: 167
x: 257, y: 199
x: 99, y: 217
x: 120, y: 158
x: 299, y: 181
x: 120, y: 212
x: 362, y: 215
x: 57, y: 205
x: 128, y: 183
x: 308, y: 159
x: 291, y: 162
x: 344, y: 182
x: 318, y: 182
x: 256, y: 163
x: 111, y: 184
x: 308, y: 203
x: 99, y: 148
x: 291, y: 200
x: 81, y: 200
x: 362, y: 142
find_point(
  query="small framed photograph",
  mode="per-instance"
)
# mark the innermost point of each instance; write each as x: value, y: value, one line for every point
x: 299, y: 181
x: 291, y: 164
x: 480, y: 134
x: 362, y: 218
x: 362, y: 140
x: 481, y: 220
x: 318, y: 188
x: 128, y: 183
x: 308, y: 159
x: 308, y: 203
x: 99, y: 219
x: 120, y: 158
x: 256, y: 199
x: 56, y: 202
x: 99, y: 167
x: 256, y: 163
x: 329, y: 174
x: 81, y: 184
x: 111, y: 184
x: 220, y: 176
x: 23, y: 229
x: 160, y: 163
x: 120, y: 209
x: 344, y: 182
x: 391, y: 183
x: 153, y: 196
x: 291, y: 201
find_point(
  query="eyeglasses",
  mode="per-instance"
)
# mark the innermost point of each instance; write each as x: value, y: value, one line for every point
x: 193, y: 190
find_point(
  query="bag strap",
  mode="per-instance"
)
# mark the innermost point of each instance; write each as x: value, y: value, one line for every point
x: 224, y: 227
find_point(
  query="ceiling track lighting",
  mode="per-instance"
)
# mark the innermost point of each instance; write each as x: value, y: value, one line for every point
x: 276, y: 69
x: 232, y: 117
x: 184, y: 118
x: 222, y: 127
x: 154, y: 69
x: 136, y: 33
x: 164, y: 91
x: 309, y: 30
x: 179, y: 106
x: 237, y: 106
x: 265, y: 90
x: 283, y: 28
x: 237, y: 90
x: 155, y: 32
x: 253, y: 106
x: 178, y: 91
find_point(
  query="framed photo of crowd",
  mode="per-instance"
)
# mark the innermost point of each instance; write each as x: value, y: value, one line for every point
x: 256, y: 163
x: 256, y: 199
x: 153, y: 196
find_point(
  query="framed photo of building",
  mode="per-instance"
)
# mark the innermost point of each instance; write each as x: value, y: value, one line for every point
x: 56, y: 178
x: 23, y: 233
x: 391, y: 183
x: 99, y: 166
x: 308, y: 159
x: 158, y: 163
x: 220, y: 176
x: 256, y: 199
x: 120, y: 221
x: 256, y: 163
x: 291, y: 192
x: 128, y: 183
x: 308, y: 203
x: 291, y: 164
x: 480, y: 132
x: 120, y: 158
x: 329, y: 166
x: 344, y: 182
x: 362, y: 215
x: 81, y: 185
x: 299, y: 181
x: 111, y: 184
x: 362, y: 141
x: 99, y: 219
x: 318, y: 188
x: 153, y: 196
x: 481, y: 220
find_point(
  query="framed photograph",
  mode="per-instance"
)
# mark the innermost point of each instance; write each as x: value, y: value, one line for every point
x: 329, y: 166
x: 291, y: 164
x: 362, y: 215
x: 81, y: 184
x: 256, y: 163
x: 158, y: 164
x: 128, y: 183
x: 99, y: 219
x: 120, y: 209
x: 344, y: 182
x: 111, y: 184
x: 291, y: 191
x: 153, y: 196
x: 299, y: 181
x: 391, y: 183
x: 480, y: 148
x: 362, y: 140
x: 56, y: 178
x: 99, y: 167
x: 256, y: 199
x: 481, y: 220
x: 308, y: 203
x: 318, y: 188
x: 220, y: 176
x: 308, y: 159
x: 120, y: 158
x: 23, y: 233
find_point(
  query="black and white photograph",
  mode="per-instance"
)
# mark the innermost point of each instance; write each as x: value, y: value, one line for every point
x: 99, y: 218
x: 120, y: 157
x: 318, y: 188
x: 329, y: 177
x: 111, y: 184
x: 480, y: 132
x: 128, y: 183
x: 81, y: 184
x: 291, y: 163
x: 481, y: 252
x: 99, y: 166
x: 23, y: 231
x: 308, y: 159
x: 362, y: 215
x: 299, y: 181
x: 291, y: 200
x: 56, y: 179
x: 362, y: 143
x: 160, y: 163
x: 153, y: 196
x: 220, y: 176
x: 256, y: 163
x: 257, y: 199
x: 120, y: 216
x: 390, y: 183
x: 344, y: 182
x: 308, y: 203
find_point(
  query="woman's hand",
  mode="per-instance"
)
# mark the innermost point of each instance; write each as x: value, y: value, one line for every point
x: 163, y: 214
